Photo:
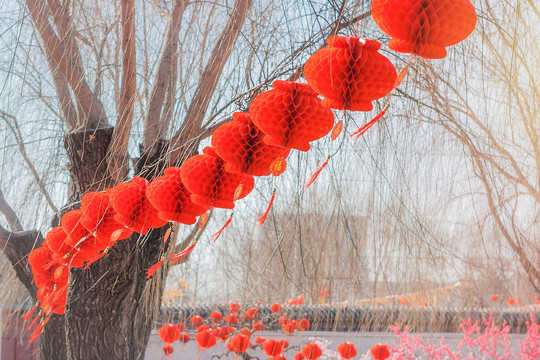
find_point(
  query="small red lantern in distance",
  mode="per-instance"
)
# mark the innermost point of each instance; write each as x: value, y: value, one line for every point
x: 291, y: 115
x: 346, y: 350
x: 168, y: 194
x: 169, y: 333
x: 380, y: 352
x: 424, y: 27
x: 350, y: 73
x: 210, y: 184
x: 240, y: 143
x: 133, y: 208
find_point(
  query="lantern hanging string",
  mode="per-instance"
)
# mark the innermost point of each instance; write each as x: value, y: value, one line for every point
x: 401, y: 76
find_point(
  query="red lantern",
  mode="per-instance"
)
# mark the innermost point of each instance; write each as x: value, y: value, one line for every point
x: 380, y: 352
x: 86, y: 250
x: 346, y: 350
x: 168, y: 350
x: 206, y: 339
x: 311, y: 351
x: 240, y: 143
x: 350, y: 73
x: 210, y: 184
x: 291, y: 115
x: 173, y: 199
x: 75, y: 231
x: 98, y: 218
x: 239, y: 343
x: 273, y: 347
x: 169, y: 333
x: 133, y: 208
x: 422, y: 27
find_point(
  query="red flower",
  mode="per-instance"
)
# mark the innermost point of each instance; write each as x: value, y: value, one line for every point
x: 380, y: 352
x: 311, y: 351
x: 346, y: 350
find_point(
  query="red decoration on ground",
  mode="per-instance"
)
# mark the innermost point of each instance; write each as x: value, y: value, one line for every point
x: 132, y: 206
x: 240, y: 143
x: 291, y: 115
x: 168, y: 194
x: 422, y: 27
x: 346, y: 350
x: 380, y: 352
x: 350, y: 73
x: 211, y: 185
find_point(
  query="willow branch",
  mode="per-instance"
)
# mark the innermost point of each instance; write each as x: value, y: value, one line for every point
x: 209, y: 79
x: 93, y: 111
x: 117, y: 152
x: 20, y: 142
x: 153, y: 126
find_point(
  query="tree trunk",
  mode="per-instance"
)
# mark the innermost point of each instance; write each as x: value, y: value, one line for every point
x: 109, y: 312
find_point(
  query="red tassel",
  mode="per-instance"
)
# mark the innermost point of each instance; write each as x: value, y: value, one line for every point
x: 217, y: 235
x: 34, y: 336
x: 316, y: 173
x: 366, y: 126
x: 96, y: 258
x: 34, y: 321
x: 265, y: 215
x: 401, y: 76
x: 26, y: 316
x: 155, y: 267
x: 183, y: 253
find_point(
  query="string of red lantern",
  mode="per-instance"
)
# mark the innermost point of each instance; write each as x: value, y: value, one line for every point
x: 349, y: 73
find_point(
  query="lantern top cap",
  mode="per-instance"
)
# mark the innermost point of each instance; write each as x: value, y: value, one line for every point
x: 292, y: 85
x: 351, y: 41
x: 241, y: 116
x: 209, y: 151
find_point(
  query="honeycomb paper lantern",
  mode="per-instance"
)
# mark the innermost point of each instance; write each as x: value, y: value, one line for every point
x: 350, y: 73
x: 98, y: 218
x: 291, y: 115
x: 240, y: 143
x: 168, y: 194
x: 424, y: 27
x: 210, y: 184
x: 132, y: 207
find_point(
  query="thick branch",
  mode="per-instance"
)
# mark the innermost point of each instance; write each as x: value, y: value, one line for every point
x: 10, y: 215
x: 209, y: 79
x: 117, y: 152
x: 94, y: 114
x: 153, y: 127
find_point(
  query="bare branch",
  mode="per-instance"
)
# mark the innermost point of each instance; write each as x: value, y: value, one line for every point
x: 117, y: 159
x: 20, y: 142
x: 209, y: 79
x: 153, y: 126
x: 94, y: 113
